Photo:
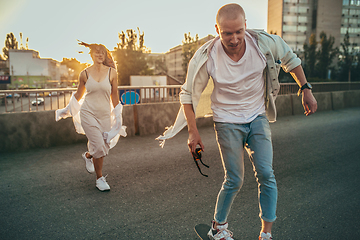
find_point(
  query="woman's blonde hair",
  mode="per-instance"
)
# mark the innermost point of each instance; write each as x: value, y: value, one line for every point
x: 93, y: 47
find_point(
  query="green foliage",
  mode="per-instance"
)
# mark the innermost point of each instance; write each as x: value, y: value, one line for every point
x: 310, y: 56
x: 75, y: 65
x: 349, y: 62
x: 325, y: 54
x: 189, y: 47
x: 10, y: 43
x: 318, y: 59
x: 129, y: 56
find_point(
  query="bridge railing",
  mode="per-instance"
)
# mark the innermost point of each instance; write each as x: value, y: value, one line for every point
x: 51, y: 99
x: 292, y: 88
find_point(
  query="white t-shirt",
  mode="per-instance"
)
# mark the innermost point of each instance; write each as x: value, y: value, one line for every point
x: 238, y: 95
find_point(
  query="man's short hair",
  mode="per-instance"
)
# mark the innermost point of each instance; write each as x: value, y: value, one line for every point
x: 230, y: 11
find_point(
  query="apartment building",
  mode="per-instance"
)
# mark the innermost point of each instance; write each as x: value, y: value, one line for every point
x: 174, y: 60
x: 296, y: 20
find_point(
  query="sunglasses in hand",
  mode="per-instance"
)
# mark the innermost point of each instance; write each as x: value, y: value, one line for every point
x: 197, y: 158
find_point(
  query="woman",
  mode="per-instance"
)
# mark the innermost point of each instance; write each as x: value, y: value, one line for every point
x: 99, y: 81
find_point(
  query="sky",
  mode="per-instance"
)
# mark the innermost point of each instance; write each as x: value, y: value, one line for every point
x: 53, y: 27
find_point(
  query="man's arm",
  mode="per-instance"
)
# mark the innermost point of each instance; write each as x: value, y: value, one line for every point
x: 194, y: 136
x: 308, y: 99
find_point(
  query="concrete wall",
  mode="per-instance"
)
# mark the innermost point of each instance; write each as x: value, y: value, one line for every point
x: 23, y: 131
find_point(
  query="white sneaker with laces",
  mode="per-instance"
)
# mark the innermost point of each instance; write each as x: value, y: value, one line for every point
x: 265, y: 236
x: 220, y: 232
x: 88, y: 163
x: 102, y: 185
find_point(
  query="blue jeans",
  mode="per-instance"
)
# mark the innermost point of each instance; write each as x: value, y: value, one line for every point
x: 255, y: 138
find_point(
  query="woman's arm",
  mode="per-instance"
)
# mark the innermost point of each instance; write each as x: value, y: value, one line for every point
x: 114, y: 88
x: 81, y: 88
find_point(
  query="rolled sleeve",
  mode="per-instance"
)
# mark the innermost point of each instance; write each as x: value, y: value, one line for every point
x: 185, y: 96
x: 289, y: 60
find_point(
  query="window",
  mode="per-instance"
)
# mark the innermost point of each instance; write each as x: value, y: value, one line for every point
x: 289, y: 38
x: 293, y: 9
x: 288, y: 28
x: 301, y: 39
x: 290, y: 19
x: 353, y: 20
x: 343, y: 30
x: 302, y: 28
x: 354, y: 30
x: 302, y: 19
x: 303, y: 10
x: 345, y: 2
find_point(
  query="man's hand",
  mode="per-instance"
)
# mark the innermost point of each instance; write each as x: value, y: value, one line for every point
x: 194, y: 136
x: 194, y: 140
x: 309, y: 102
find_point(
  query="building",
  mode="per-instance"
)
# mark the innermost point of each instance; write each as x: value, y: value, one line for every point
x: 28, y: 70
x: 296, y: 20
x: 350, y: 22
x: 174, y: 60
x: 156, y: 62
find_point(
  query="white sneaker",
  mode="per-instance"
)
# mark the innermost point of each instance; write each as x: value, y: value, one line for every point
x: 265, y: 236
x: 220, y: 232
x: 102, y: 185
x: 88, y: 163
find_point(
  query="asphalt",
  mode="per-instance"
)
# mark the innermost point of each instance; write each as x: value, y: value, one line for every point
x: 159, y: 194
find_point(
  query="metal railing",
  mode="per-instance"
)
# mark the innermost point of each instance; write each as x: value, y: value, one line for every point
x: 292, y: 88
x: 51, y: 99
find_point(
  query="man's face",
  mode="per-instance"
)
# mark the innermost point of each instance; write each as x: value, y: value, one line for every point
x: 232, y: 34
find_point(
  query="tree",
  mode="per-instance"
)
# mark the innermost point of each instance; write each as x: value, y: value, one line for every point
x: 75, y: 65
x: 189, y: 47
x: 325, y: 55
x: 355, y: 73
x: 21, y: 43
x: 129, y: 56
x: 10, y: 43
x: 347, y: 59
x: 310, y: 56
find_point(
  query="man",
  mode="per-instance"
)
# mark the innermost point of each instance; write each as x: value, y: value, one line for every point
x: 244, y: 65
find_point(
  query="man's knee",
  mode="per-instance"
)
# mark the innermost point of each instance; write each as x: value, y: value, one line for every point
x: 265, y: 175
x: 233, y: 183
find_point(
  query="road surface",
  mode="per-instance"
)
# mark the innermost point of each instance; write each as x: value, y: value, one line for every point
x: 159, y: 194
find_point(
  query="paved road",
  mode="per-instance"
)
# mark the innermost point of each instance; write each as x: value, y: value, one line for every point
x: 159, y: 194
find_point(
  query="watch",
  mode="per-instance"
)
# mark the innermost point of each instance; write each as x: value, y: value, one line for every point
x: 306, y: 85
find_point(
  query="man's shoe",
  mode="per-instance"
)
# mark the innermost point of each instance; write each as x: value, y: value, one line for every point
x: 220, y: 232
x: 88, y: 163
x: 102, y: 185
x: 265, y: 236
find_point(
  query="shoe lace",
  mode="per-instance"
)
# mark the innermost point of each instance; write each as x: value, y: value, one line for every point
x: 104, y: 178
x: 265, y: 236
x: 224, y: 233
